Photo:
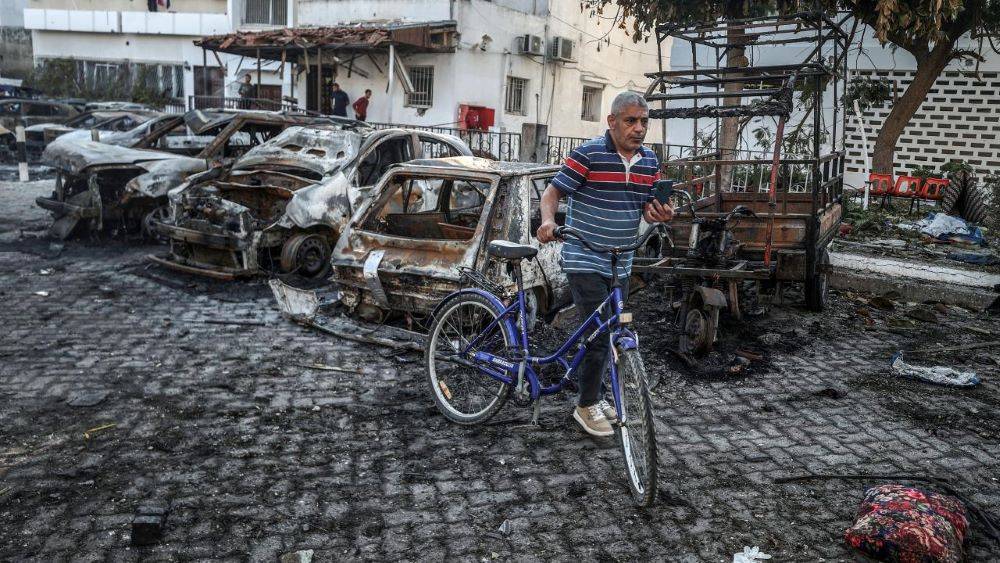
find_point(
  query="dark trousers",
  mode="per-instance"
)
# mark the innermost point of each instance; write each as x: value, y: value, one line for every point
x: 589, y: 291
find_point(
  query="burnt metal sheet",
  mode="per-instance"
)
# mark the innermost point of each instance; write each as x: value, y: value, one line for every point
x: 372, y: 264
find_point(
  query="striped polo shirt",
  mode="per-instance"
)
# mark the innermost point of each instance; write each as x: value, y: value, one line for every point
x: 606, y: 198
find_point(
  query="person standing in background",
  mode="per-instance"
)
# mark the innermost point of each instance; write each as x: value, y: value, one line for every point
x: 340, y: 100
x: 361, y: 106
x: 247, y: 92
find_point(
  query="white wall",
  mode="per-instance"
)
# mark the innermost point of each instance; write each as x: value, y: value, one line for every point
x: 12, y: 13
x: 477, y: 72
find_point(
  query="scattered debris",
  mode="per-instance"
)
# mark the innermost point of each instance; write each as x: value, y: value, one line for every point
x: 770, y: 338
x: 750, y: 555
x: 899, y: 523
x: 322, y: 367
x: 749, y: 355
x: 303, y: 556
x: 939, y: 375
x: 961, y: 348
x: 830, y: 393
x: 946, y: 228
x: 42, y: 293
x: 504, y: 528
x: 45, y: 272
x: 86, y: 398
x: 882, y: 302
x: 147, y: 524
x: 922, y: 314
x: 233, y: 322
x: 89, y: 433
x: 979, y: 258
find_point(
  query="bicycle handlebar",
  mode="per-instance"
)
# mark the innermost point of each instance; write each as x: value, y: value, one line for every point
x: 563, y: 232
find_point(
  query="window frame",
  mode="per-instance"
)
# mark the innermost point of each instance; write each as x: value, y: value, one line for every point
x: 429, y: 93
x: 507, y: 106
x: 597, y: 93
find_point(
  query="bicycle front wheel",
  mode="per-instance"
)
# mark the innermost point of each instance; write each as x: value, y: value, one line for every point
x: 636, y: 436
x: 462, y: 392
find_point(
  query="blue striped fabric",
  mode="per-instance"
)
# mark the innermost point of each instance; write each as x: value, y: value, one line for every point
x: 604, y: 204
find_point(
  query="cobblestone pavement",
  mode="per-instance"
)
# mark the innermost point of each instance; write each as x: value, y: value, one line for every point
x: 258, y: 456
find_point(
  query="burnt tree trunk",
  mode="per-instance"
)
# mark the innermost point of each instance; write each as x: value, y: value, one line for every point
x: 930, y: 64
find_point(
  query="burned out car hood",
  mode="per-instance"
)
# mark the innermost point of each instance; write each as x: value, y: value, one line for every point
x: 319, y: 150
x: 74, y: 155
x: 163, y: 175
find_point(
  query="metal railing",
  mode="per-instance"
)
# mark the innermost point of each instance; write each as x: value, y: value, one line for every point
x: 560, y: 147
x: 495, y: 145
x: 203, y: 102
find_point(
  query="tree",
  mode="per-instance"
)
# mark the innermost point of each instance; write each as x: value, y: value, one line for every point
x: 927, y: 29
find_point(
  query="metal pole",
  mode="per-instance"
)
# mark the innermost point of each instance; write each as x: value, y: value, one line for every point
x: 663, y: 103
x: 204, y: 73
x: 772, y: 190
x: 256, y: 94
x: 392, y: 80
x: 22, y: 153
x: 319, y: 79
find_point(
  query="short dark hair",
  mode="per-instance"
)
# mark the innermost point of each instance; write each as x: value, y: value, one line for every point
x: 335, y: 84
x: 368, y: 90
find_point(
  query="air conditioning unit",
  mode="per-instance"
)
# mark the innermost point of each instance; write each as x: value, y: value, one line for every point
x: 529, y: 45
x: 561, y: 49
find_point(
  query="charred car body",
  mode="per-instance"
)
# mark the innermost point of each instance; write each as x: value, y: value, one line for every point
x: 14, y: 112
x: 423, y: 234
x: 38, y: 136
x: 120, y: 189
x: 282, y: 206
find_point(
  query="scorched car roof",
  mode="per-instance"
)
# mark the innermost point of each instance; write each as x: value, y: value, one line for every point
x: 476, y: 164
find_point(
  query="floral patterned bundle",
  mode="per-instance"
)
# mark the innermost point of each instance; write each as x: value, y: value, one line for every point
x: 909, y: 525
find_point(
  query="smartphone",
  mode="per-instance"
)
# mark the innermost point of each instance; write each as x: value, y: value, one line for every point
x: 662, y: 190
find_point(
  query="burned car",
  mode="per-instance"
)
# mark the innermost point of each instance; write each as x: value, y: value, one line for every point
x: 405, y: 248
x: 14, y: 112
x: 120, y: 189
x: 281, y: 207
x: 38, y: 136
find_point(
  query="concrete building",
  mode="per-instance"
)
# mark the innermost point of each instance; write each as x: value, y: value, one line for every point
x: 531, y: 61
x: 15, y: 42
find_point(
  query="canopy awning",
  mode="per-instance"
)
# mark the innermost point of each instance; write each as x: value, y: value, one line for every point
x: 291, y: 43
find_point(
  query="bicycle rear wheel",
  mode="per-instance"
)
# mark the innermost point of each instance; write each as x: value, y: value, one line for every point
x: 462, y: 392
x: 637, y: 437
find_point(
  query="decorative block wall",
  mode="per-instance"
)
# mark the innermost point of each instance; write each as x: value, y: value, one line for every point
x: 959, y: 120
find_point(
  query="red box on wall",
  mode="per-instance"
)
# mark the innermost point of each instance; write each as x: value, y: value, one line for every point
x: 475, y: 117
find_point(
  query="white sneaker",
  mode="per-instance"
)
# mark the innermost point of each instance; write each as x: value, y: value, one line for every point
x: 609, y: 411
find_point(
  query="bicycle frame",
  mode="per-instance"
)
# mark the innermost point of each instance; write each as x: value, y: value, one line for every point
x: 511, y: 367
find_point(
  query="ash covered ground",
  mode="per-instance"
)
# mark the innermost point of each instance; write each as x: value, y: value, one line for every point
x: 123, y: 385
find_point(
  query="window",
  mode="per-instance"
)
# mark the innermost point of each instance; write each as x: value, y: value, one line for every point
x: 517, y: 89
x: 429, y: 208
x: 266, y: 12
x: 591, y: 108
x: 422, y: 78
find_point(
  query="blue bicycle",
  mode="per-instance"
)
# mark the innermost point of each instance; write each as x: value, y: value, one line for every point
x: 478, y: 354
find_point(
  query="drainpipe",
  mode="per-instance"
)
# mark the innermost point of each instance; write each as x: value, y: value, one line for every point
x: 545, y: 66
x: 504, y: 70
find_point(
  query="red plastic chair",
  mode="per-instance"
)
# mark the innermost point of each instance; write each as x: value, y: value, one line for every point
x: 881, y: 184
x: 933, y: 189
x: 908, y: 186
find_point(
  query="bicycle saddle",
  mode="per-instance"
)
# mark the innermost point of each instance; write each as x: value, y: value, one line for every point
x: 506, y: 250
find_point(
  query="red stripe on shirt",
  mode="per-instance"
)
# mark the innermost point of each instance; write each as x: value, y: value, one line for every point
x: 607, y: 177
x: 576, y: 166
x: 644, y: 179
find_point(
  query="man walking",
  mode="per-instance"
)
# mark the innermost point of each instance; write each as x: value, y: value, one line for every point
x: 340, y: 100
x: 360, y: 106
x: 608, y: 182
